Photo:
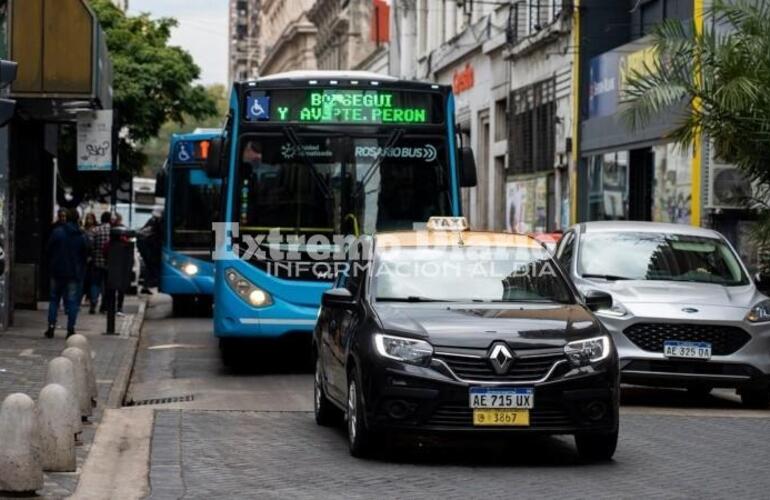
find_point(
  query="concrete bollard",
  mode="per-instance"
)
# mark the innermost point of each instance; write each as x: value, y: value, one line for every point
x: 20, y: 469
x: 61, y: 371
x: 81, y: 342
x: 78, y: 360
x: 57, y: 431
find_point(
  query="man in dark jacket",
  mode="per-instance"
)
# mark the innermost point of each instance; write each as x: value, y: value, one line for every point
x: 67, y: 250
x: 150, y: 243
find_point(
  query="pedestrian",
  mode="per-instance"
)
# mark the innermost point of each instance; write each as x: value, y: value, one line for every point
x: 88, y: 225
x: 150, y: 245
x: 99, y: 238
x: 117, y: 223
x: 67, y: 250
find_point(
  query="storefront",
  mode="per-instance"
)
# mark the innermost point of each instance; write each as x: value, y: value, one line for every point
x: 627, y: 173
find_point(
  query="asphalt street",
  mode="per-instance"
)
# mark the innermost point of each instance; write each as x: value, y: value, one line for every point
x: 250, y: 433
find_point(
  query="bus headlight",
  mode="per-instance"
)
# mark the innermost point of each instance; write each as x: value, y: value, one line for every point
x: 246, y: 290
x: 190, y: 269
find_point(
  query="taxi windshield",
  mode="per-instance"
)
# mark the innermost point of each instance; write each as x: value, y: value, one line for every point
x: 468, y: 274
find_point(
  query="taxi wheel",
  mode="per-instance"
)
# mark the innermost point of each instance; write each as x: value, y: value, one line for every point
x: 758, y: 398
x: 326, y: 414
x: 359, y: 437
x: 596, y: 446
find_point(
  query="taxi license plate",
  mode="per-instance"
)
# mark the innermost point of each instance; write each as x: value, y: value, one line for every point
x: 690, y: 350
x: 505, y: 417
x: 501, y: 406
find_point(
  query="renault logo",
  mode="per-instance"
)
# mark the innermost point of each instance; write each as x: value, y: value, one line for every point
x: 501, y: 358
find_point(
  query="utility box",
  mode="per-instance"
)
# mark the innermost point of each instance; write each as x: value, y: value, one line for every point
x: 60, y: 49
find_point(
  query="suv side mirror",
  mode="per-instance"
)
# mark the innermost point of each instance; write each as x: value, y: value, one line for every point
x: 596, y: 299
x: 467, y: 168
x: 214, y: 167
x: 339, y: 298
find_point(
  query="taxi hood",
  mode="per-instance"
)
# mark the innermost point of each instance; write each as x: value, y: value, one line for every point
x: 478, y: 325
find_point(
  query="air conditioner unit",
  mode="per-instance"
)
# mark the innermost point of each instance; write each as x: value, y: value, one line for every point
x: 728, y: 187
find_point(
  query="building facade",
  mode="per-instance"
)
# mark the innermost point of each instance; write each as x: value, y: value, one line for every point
x: 287, y: 36
x: 541, y: 110
x: 352, y: 34
x: 244, y: 48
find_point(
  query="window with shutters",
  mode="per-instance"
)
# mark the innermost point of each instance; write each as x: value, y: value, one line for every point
x: 533, y: 128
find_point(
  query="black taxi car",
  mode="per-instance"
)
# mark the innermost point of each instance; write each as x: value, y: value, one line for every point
x: 446, y: 330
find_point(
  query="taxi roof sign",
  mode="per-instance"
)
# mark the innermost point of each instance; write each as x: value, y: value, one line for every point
x: 448, y: 224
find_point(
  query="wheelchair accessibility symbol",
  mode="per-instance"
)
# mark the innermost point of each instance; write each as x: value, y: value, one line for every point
x: 183, y: 155
x: 258, y: 108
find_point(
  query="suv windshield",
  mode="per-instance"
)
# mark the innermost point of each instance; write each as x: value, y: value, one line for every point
x: 195, y: 203
x: 658, y: 256
x: 468, y: 274
x: 334, y: 189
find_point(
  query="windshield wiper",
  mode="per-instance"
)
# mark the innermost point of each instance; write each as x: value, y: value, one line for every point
x: 410, y: 298
x: 291, y: 134
x: 608, y: 277
x: 394, y: 137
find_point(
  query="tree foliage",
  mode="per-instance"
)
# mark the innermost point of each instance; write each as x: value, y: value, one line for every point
x: 153, y: 82
x: 722, y: 75
x: 156, y: 149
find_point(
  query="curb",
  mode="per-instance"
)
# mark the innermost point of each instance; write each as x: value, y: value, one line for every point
x: 120, y: 384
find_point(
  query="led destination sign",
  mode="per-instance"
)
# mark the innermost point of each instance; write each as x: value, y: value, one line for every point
x: 350, y: 106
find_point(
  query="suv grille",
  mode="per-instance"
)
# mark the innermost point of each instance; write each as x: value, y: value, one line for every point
x: 724, y: 339
x: 523, y: 368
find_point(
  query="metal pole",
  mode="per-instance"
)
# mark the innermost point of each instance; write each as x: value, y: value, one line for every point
x: 115, y: 181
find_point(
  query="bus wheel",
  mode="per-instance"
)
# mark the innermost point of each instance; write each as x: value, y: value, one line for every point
x: 229, y: 352
x: 181, y: 305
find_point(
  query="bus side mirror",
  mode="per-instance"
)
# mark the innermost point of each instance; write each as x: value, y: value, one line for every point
x: 214, y: 160
x: 467, y: 168
x: 160, y: 184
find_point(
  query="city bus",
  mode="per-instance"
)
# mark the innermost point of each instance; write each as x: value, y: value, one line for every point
x: 192, y: 200
x: 306, y: 157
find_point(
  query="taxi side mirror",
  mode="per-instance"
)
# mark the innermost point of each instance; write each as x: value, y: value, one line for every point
x: 467, y: 168
x: 340, y: 298
x: 596, y: 299
x: 762, y: 282
x: 214, y: 164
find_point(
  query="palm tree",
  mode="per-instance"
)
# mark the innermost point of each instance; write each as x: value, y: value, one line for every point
x: 722, y: 75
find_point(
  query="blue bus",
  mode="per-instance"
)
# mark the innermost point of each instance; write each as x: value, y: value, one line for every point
x: 192, y: 202
x: 307, y: 155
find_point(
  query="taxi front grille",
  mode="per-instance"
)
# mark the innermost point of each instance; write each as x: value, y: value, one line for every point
x: 522, y: 369
x: 724, y: 339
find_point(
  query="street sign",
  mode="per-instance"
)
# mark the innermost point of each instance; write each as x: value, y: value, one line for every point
x: 95, y: 141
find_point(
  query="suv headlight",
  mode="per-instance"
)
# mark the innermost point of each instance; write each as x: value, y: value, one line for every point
x: 403, y: 349
x: 246, y: 290
x: 585, y: 352
x: 760, y: 313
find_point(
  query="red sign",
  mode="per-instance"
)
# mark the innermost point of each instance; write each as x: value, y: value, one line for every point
x: 462, y: 79
x: 380, y: 32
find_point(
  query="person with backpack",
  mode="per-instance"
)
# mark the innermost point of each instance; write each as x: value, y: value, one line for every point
x: 67, y: 251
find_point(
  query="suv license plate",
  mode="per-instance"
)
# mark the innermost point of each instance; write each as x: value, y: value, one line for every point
x: 690, y: 350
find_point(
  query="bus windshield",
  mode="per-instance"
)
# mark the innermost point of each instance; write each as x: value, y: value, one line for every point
x: 194, y: 205
x: 343, y: 184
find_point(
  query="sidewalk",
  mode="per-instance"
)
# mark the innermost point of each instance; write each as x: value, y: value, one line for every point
x: 24, y: 356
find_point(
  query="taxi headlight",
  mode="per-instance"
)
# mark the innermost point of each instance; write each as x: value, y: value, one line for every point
x: 190, y: 269
x: 403, y: 349
x: 585, y: 352
x: 760, y: 313
x: 246, y: 290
